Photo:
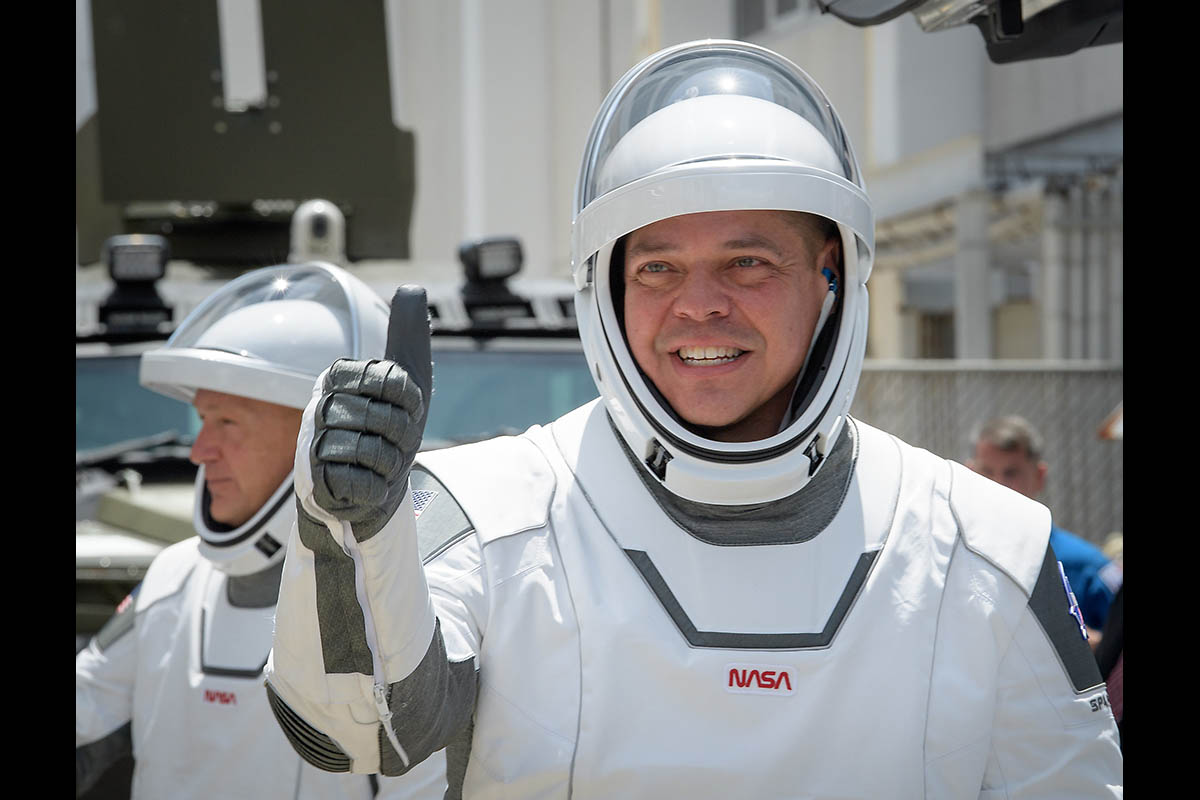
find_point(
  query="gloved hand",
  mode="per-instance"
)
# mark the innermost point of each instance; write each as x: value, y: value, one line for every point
x: 368, y: 423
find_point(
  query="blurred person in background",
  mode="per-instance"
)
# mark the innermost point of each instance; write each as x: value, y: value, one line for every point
x: 1008, y: 450
x: 174, y: 679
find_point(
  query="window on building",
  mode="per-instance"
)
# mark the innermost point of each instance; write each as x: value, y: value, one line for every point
x: 935, y: 335
x: 753, y: 17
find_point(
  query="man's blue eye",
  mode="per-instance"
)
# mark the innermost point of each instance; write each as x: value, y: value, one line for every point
x: 655, y: 266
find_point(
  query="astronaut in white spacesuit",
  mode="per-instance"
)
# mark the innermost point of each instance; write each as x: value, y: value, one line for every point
x: 175, y: 677
x: 711, y: 581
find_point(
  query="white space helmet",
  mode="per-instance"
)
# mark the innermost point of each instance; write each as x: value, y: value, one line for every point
x: 719, y: 126
x: 265, y: 335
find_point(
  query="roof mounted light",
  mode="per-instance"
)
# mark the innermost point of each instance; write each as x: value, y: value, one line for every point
x: 489, y: 260
x: 134, y: 308
x: 489, y: 303
x: 136, y: 257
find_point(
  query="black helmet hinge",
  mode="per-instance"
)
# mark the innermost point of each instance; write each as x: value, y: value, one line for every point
x: 815, y: 456
x: 657, y: 460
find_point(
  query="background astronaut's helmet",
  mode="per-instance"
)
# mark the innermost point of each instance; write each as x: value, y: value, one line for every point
x: 265, y: 335
x: 719, y: 126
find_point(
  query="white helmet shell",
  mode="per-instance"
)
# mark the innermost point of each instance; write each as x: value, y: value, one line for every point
x: 719, y: 126
x: 266, y: 335
x: 713, y: 126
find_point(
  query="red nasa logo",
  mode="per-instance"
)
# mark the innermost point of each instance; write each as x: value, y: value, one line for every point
x: 759, y: 679
x: 221, y: 698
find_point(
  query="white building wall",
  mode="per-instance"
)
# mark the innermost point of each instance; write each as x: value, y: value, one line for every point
x: 1032, y: 99
x: 941, y: 85
x: 926, y: 115
x: 515, y: 127
x: 424, y: 41
x: 475, y: 88
x: 837, y: 57
x: 577, y: 85
x: 688, y: 20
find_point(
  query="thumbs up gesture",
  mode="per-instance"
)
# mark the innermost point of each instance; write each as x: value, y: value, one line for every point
x: 369, y: 420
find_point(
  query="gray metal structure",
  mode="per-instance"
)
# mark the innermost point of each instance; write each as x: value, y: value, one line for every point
x: 166, y: 154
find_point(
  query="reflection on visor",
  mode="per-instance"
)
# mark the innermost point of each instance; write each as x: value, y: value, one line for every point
x: 728, y: 79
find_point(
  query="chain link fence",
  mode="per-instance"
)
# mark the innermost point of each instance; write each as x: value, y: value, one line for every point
x: 937, y: 405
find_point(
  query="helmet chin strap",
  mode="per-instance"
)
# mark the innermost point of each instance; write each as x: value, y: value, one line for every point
x: 826, y: 309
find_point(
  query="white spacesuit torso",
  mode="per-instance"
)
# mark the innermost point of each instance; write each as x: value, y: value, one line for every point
x: 774, y: 656
x: 188, y: 676
x: 892, y: 653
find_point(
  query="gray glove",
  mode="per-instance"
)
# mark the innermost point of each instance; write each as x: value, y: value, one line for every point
x: 369, y: 421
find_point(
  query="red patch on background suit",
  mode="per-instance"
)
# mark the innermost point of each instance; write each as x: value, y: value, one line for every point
x: 124, y: 604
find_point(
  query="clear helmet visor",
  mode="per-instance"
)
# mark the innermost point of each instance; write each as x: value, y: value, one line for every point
x: 720, y: 101
x: 211, y: 324
x: 267, y: 335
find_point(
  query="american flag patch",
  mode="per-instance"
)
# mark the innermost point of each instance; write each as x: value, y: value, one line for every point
x: 1074, y: 610
x: 421, y: 499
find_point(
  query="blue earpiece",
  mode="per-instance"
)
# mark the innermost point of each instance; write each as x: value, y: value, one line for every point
x: 828, y: 273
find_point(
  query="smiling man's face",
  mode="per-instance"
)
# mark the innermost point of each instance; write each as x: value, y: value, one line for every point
x: 719, y: 311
